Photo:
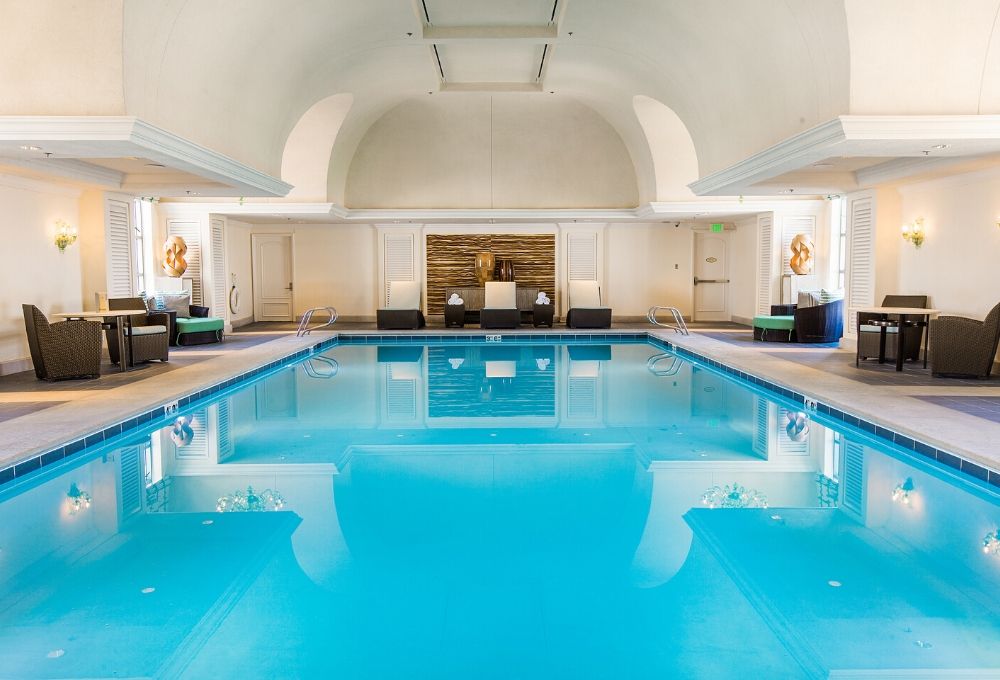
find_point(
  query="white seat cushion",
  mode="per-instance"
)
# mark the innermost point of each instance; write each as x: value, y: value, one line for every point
x: 146, y: 330
x: 501, y: 369
x: 584, y: 295
x: 404, y: 295
x: 501, y: 295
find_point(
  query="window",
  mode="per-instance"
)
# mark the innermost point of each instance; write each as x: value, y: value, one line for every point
x: 142, y: 246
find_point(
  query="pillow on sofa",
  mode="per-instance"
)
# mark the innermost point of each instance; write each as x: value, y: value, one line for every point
x: 807, y: 298
x: 178, y: 302
x: 828, y: 296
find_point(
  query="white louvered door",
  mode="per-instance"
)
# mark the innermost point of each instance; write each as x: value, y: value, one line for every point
x: 791, y: 226
x: 190, y: 231
x: 219, y: 297
x: 583, y: 261
x: 765, y: 262
x: 860, y: 258
x: 119, y: 245
x: 397, y: 260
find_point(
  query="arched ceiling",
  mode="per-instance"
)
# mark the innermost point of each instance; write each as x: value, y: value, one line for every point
x: 237, y: 75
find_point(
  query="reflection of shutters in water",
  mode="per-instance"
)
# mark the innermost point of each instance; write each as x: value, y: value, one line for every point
x: 786, y: 446
x: 400, y: 398
x: 581, y: 401
x: 760, y: 427
x: 198, y: 448
x: 854, y: 478
x: 130, y: 482
x: 225, y: 430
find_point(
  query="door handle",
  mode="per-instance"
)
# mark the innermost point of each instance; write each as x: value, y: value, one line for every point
x: 697, y: 280
x: 289, y: 286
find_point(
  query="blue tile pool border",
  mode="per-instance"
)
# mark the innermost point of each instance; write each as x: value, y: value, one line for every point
x: 127, y: 427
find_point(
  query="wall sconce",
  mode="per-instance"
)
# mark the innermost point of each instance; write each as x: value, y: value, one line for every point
x: 78, y: 499
x: 991, y: 543
x: 914, y: 233
x: 65, y: 235
x: 901, y: 494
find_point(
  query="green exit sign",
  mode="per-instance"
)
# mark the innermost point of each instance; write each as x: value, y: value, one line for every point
x: 717, y: 227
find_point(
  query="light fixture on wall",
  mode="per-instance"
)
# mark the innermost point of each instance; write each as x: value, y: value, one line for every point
x: 78, y: 499
x: 914, y: 232
x: 65, y: 235
x: 991, y: 543
x: 901, y: 494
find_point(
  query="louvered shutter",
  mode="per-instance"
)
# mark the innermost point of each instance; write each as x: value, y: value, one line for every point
x: 118, y: 231
x: 191, y: 233
x: 130, y: 482
x: 761, y: 427
x: 791, y: 227
x: 198, y: 447
x: 854, y: 479
x: 398, y: 261
x: 860, y: 258
x: 765, y: 276
x: 400, y: 398
x: 225, y: 430
x: 581, y: 257
x: 581, y: 398
x: 217, y: 233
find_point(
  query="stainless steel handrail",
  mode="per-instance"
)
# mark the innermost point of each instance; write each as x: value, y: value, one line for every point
x: 310, y: 368
x: 678, y: 326
x: 304, y: 328
x: 675, y: 364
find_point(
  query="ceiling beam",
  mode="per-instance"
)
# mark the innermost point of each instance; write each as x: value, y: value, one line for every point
x: 526, y: 34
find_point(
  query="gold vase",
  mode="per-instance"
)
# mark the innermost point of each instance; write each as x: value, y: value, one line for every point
x: 484, y: 267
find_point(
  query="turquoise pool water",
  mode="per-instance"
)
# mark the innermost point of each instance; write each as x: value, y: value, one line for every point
x: 497, y: 511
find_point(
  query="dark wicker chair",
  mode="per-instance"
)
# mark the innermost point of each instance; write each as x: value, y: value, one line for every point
x: 60, y: 351
x: 150, y: 339
x: 868, y: 341
x: 820, y: 323
x: 962, y: 347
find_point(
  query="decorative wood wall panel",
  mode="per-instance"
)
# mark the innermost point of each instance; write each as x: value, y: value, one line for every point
x: 451, y: 260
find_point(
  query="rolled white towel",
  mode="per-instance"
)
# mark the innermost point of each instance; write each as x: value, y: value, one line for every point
x: 542, y: 299
x: 455, y: 300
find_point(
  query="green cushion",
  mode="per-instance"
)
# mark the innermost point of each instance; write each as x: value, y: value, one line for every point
x: 777, y: 323
x: 197, y: 325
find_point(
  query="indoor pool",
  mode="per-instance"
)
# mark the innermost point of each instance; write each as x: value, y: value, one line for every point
x: 498, y: 510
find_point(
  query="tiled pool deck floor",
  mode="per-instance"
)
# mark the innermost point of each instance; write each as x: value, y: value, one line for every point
x: 958, y: 415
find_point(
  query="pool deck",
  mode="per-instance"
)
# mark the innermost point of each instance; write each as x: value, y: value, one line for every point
x: 961, y: 416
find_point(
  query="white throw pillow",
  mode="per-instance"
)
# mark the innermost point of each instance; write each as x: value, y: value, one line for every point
x: 501, y: 295
x: 404, y: 295
x: 584, y: 295
x: 806, y: 299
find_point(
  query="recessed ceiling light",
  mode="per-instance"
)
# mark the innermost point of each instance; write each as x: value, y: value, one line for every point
x: 155, y: 165
x: 822, y: 165
x: 941, y: 146
x: 30, y: 147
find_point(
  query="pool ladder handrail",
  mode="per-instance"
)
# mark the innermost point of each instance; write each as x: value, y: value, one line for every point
x: 678, y: 326
x: 307, y: 317
x: 673, y: 369
x: 310, y: 369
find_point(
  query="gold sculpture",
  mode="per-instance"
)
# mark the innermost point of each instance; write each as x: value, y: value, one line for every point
x: 802, y: 254
x: 174, y: 263
x: 485, y: 262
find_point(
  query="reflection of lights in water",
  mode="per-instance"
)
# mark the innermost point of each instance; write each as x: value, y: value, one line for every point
x: 78, y: 499
x: 901, y: 494
x: 735, y: 496
x: 251, y: 501
x: 991, y: 543
x: 147, y: 591
x: 834, y: 584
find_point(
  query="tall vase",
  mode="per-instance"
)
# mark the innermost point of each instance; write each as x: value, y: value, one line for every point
x: 484, y: 267
x: 505, y: 270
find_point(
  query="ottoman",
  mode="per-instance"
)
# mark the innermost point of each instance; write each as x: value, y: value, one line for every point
x: 199, y: 330
x: 774, y: 328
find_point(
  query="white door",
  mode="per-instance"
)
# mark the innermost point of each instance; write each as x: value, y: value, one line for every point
x: 711, y: 276
x: 272, y: 277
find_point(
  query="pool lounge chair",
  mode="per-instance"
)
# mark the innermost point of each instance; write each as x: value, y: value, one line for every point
x: 402, y: 312
x: 500, y: 307
x: 585, y: 308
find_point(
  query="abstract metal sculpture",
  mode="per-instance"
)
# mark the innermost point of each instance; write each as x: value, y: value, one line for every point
x: 174, y: 264
x: 802, y: 254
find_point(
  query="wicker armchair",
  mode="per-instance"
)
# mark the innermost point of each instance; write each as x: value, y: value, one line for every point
x: 962, y: 347
x: 868, y: 340
x: 150, y: 339
x: 59, y: 351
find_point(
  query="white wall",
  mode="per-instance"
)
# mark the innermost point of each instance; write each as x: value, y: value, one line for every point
x: 35, y: 272
x: 957, y: 266
x: 501, y: 151
x: 240, y: 269
x: 648, y: 264
x: 743, y: 243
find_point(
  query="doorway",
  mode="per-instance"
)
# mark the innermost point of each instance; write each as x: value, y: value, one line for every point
x: 711, y: 276
x: 273, y: 285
